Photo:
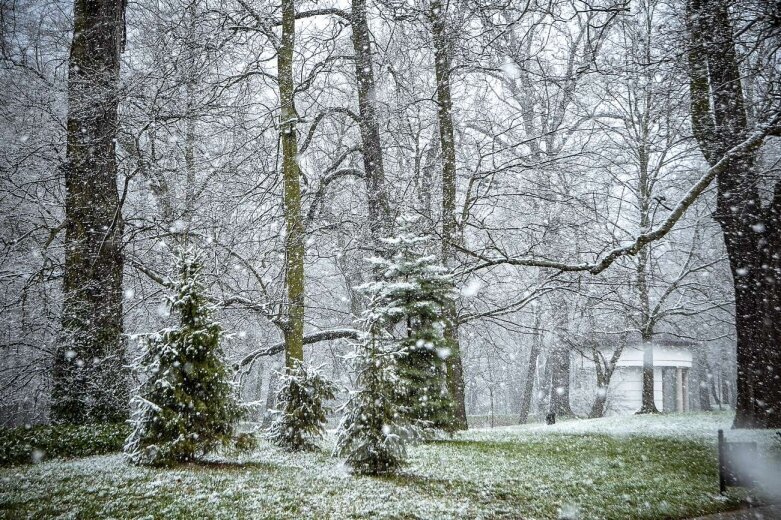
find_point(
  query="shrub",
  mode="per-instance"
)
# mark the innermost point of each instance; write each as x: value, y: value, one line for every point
x: 31, y: 445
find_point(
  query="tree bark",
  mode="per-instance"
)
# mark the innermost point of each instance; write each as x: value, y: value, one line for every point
x: 648, y: 404
x: 605, y: 370
x: 713, y: 389
x: 293, y: 329
x: 190, y: 85
x: 89, y: 381
x: 603, y: 382
x: 379, y: 211
x: 271, y: 395
x: 526, y: 398
x: 598, y: 406
x: 752, y: 231
x: 560, y: 376
x: 703, y: 378
x: 455, y: 371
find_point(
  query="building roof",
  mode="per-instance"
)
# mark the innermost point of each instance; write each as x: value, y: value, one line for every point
x: 633, y: 339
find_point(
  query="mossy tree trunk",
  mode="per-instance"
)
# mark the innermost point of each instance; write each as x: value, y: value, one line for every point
x: 750, y: 222
x: 450, y: 231
x: 89, y: 381
x: 294, y: 225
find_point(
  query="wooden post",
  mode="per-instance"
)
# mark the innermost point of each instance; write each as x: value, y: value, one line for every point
x: 722, y: 482
x: 736, y: 460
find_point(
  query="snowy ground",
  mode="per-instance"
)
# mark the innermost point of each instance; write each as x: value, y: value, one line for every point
x: 691, y: 426
x: 627, y: 467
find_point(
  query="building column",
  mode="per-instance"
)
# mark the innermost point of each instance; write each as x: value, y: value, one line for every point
x: 678, y: 389
x: 685, y: 388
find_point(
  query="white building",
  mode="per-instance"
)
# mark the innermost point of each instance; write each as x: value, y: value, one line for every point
x: 672, y: 362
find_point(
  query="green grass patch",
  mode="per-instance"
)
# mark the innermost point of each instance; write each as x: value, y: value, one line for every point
x: 586, y: 476
x: 535, y: 476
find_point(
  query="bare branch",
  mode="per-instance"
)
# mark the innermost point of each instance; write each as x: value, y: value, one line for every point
x: 752, y: 143
x: 315, y: 337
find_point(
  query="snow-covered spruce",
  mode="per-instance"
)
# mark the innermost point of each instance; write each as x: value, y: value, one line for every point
x: 187, y: 404
x: 372, y: 433
x: 409, y: 295
x: 301, y: 415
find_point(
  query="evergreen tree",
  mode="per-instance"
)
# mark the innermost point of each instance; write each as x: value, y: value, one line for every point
x: 301, y: 398
x: 188, y: 405
x: 401, y: 376
x: 412, y: 292
x: 373, y: 432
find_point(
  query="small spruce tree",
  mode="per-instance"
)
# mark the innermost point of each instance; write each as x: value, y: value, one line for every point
x: 401, y: 376
x: 187, y: 405
x: 372, y: 433
x: 412, y: 289
x: 301, y: 415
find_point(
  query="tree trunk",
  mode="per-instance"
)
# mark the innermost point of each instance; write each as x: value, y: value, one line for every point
x: 560, y: 376
x: 455, y: 373
x: 704, y: 393
x: 725, y: 395
x: 605, y: 370
x: 725, y: 379
x: 271, y: 395
x: 648, y: 404
x: 603, y: 382
x: 526, y: 398
x: 491, y: 404
x: 598, y: 407
x: 752, y: 232
x: 294, y: 239
x: 90, y: 382
x: 543, y: 376
x: 379, y: 211
x: 474, y: 400
x: 190, y: 84
x: 701, y: 378
x: 713, y: 389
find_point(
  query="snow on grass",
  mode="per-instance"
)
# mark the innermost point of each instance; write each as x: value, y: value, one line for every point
x: 698, y: 426
x: 628, y: 467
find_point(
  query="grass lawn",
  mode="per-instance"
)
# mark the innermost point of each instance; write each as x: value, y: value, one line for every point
x: 629, y: 467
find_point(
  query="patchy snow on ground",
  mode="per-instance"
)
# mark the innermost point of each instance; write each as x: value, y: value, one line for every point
x: 628, y: 467
x: 698, y: 426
